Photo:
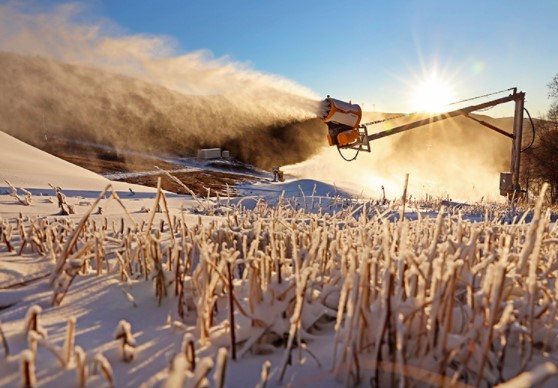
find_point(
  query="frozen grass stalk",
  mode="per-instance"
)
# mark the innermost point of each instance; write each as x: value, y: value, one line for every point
x: 264, y: 376
x: 404, y: 197
x: 177, y: 373
x: 220, y: 368
x: 231, y: 310
x: 27, y: 368
x: 81, y: 366
x: 189, y: 351
x: 4, y: 342
x: 102, y: 366
x: 32, y: 321
x: 123, y: 333
x: 70, y: 340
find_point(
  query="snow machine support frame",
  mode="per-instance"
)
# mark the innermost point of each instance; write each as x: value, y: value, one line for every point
x: 509, y: 181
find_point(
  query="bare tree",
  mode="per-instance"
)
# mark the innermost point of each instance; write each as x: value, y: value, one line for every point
x: 541, y: 160
x: 553, y: 88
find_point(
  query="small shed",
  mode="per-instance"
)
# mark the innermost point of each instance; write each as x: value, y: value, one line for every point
x: 209, y: 153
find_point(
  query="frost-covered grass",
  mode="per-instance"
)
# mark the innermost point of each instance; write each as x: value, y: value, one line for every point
x: 317, y: 286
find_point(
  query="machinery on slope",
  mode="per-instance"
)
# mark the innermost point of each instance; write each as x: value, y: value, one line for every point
x: 346, y: 132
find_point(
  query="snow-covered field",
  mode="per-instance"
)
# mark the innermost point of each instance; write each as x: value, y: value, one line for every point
x: 290, y: 283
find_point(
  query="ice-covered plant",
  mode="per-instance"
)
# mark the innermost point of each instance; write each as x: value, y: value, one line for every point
x: 26, y: 200
x: 81, y: 366
x: 70, y: 341
x: 123, y: 333
x: 177, y: 372
x: 27, y: 368
x: 189, y: 351
x: 220, y: 368
x: 4, y: 341
x: 32, y: 323
x: 264, y: 375
x: 102, y: 365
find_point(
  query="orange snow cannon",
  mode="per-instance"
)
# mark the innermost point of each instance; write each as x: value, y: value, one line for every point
x: 342, y: 119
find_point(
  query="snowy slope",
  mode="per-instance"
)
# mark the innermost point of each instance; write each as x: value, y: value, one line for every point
x: 28, y: 167
x: 293, y: 270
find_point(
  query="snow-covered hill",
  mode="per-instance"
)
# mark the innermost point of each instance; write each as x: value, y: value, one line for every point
x: 28, y: 167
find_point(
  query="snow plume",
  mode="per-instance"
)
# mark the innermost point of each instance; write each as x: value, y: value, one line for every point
x: 456, y: 159
x: 65, y: 73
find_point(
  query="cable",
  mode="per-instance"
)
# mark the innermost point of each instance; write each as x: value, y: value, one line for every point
x: 484, y: 95
x: 453, y: 103
x: 532, y: 129
x: 343, y: 156
x: 389, y: 118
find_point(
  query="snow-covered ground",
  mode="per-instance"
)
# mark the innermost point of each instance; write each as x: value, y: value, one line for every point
x: 324, y: 288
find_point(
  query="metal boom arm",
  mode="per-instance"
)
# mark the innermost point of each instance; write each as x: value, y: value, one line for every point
x: 445, y: 116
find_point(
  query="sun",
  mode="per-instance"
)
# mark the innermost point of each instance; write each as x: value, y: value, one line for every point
x: 432, y: 95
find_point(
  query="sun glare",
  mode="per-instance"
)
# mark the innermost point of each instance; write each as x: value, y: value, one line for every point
x: 432, y: 95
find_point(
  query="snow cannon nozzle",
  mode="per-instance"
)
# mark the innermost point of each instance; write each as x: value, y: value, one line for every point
x: 342, y: 119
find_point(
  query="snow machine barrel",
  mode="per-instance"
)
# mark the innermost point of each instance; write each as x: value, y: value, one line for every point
x: 342, y: 119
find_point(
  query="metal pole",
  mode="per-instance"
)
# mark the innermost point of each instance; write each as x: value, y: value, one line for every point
x: 517, y: 140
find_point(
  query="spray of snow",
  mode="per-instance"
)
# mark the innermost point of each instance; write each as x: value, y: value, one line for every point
x: 88, y: 80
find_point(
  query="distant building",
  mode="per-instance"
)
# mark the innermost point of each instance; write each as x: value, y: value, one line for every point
x: 212, y: 153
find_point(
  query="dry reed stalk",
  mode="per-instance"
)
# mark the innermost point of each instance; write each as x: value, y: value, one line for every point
x: 401, y: 344
x: 154, y: 210
x: 295, y: 321
x: 26, y: 201
x: 189, y: 351
x: 4, y: 342
x: 364, y: 303
x: 351, y: 321
x: 22, y: 235
x: 531, y: 237
x: 199, y: 378
x: 102, y: 365
x: 124, y: 276
x: 231, y: 310
x: 27, y: 367
x: 340, y: 311
x: 70, y: 341
x: 220, y: 368
x: 448, y: 313
x: 99, y: 254
x: 533, y: 378
x: 167, y: 213
x: 123, y: 333
x: 384, y: 325
x: 32, y: 320
x: 6, y: 239
x: 264, y: 375
x: 71, y: 242
x: 179, y: 182
x: 66, y: 277
x: 81, y: 367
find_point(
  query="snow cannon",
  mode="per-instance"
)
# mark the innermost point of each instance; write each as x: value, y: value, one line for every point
x: 342, y: 119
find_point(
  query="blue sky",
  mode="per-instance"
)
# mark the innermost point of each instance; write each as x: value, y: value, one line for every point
x: 372, y: 52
